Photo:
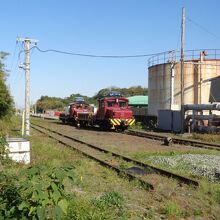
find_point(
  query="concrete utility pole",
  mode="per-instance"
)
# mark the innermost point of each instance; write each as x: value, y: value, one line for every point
x: 182, y: 70
x: 27, y: 42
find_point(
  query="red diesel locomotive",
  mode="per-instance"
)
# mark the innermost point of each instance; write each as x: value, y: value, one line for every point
x: 78, y: 113
x: 113, y: 113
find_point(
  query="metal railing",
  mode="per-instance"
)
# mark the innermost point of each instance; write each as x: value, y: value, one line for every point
x: 175, y: 55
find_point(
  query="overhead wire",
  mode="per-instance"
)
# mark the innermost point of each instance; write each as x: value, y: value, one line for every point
x: 203, y: 28
x: 18, y: 74
x: 13, y: 56
x: 94, y: 55
x: 12, y: 62
x: 13, y: 69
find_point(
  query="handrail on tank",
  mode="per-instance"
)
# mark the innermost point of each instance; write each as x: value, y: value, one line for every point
x: 175, y: 55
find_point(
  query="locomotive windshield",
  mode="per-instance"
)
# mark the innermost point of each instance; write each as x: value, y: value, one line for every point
x: 110, y: 103
x: 122, y: 104
x: 115, y: 103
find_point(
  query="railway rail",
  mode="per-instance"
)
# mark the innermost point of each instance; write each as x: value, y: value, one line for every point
x: 175, y: 140
x: 111, y: 158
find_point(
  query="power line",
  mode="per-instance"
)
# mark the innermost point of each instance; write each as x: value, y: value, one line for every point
x: 21, y: 51
x: 94, y: 55
x: 12, y: 63
x: 18, y: 62
x: 203, y: 28
x: 13, y: 57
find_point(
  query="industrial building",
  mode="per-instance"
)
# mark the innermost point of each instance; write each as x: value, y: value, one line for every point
x: 201, y: 82
x: 139, y: 107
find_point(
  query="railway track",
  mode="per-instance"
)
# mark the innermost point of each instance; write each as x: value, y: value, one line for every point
x: 175, y: 140
x: 135, y: 170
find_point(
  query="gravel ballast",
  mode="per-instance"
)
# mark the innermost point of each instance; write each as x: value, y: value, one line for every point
x: 196, y: 164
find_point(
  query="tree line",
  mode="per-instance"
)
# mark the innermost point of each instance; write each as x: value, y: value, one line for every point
x: 56, y: 103
x: 6, y: 101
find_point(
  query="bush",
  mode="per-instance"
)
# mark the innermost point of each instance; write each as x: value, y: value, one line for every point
x: 108, y: 206
x: 110, y: 199
x: 6, y: 102
x: 3, y: 151
x: 37, y: 193
x: 171, y: 209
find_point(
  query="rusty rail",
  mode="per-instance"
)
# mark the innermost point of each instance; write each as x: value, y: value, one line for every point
x: 175, y: 140
x: 157, y: 170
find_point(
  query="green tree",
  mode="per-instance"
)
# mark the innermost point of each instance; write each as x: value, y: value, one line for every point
x: 126, y: 92
x: 54, y: 103
x: 6, y: 101
x: 49, y: 103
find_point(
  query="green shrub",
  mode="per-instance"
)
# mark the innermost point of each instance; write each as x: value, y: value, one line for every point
x: 217, y: 195
x: 171, y: 209
x: 4, y: 159
x: 110, y: 199
x: 81, y: 209
x: 3, y: 144
x: 137, y: 126
x: 108, y: 206
x: 6, y: 101
x: 198, y: 212
x: 39, y: 193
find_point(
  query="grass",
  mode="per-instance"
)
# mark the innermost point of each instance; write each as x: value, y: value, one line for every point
x: 137, y: 126
x: 110, y: 199
x: 10, y: 126
x: 99, y: 193
x: 103, y: 194
x: 171, y: 209
x: 214, y: 138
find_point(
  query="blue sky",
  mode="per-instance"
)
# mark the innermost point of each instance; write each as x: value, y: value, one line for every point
x: 102, y: 27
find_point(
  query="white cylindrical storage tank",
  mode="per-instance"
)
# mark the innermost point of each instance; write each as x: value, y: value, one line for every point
x: 201, y: 83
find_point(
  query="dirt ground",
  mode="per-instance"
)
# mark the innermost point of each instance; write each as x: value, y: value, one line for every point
x: 116, y: 141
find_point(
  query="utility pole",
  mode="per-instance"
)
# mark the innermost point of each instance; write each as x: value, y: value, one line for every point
x: 35, y: 108
x: 182, y: 69
x: 27, y: 42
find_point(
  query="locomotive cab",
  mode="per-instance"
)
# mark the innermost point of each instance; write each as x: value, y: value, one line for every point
x: 78, y: 113
x: 114, y: 113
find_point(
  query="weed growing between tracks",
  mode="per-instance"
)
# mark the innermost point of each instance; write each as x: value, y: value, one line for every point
x: 214, y: 138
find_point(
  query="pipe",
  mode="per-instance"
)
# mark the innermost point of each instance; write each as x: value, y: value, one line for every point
x: 202, y: 117
x: 200, y: 107
x: 22, y: 125
x: 207, y: 128
x: 172, y: 85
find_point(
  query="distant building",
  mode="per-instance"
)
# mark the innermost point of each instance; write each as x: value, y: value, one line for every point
x: 139, y: 106
x: 138, y: 101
